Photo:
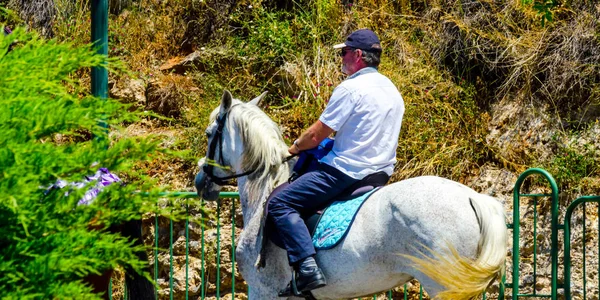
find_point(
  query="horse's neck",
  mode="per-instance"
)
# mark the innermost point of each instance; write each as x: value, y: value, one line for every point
x: 251, y: 204
x: 253, y: 200
x: 254, y: 195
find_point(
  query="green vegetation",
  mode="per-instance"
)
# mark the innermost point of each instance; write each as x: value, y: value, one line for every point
x: 48, y: 243
x: 455, y: 62
x: 452, y: 62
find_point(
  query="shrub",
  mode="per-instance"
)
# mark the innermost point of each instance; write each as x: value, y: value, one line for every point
x: 46, y: 121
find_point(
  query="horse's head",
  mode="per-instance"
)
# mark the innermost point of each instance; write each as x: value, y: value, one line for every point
x: 225, y: 146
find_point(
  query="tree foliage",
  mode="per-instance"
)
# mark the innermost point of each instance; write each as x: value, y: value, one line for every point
x: 51, y: 128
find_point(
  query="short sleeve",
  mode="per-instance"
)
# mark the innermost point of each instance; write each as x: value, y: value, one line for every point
x: 338, y: 110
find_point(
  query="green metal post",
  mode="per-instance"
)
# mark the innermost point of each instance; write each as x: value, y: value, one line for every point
x: 187, y: 248
x: 233, y: 249
x: 516, y: 229
x: 584, y: 254
x: 567, y: 261
x: 156, y: 253
x: 100, y: 40
x: 203, y: 270
x: 170, y: 259
x: 218, y: 249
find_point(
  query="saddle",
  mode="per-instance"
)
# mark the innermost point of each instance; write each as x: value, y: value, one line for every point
x: 354, y: 192
x: 327, y: 233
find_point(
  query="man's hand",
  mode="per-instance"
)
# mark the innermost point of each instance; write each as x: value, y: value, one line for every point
x: 294, y: 150
x: 311, y: 138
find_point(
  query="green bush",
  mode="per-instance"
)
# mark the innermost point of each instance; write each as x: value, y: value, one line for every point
x: 51, y: 128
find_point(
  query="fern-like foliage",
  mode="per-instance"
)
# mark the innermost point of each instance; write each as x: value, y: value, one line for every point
x: 50, y: 129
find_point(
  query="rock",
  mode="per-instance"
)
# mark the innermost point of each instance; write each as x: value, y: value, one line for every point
x: 199, y: 61
x: 520, y: 132
x: 180, y: 65
x: 162, y: 98
x: 129, y: 91
x: 495, y: 182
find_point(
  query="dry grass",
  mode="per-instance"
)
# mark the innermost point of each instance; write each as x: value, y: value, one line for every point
x: 38, y: 14
x: 451, y: 59
x: 505, y: 44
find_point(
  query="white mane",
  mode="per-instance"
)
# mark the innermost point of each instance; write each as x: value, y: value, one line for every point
x: 264, y: 147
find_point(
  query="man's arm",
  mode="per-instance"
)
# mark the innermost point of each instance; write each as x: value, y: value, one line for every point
x: 311, y: 138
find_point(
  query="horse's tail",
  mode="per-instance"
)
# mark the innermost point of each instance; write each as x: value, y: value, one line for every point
x: 465, y: 278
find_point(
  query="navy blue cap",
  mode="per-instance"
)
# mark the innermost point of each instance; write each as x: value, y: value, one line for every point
x: 364, y: 39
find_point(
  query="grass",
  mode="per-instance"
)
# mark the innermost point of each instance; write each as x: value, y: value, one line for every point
x: 451, y: 61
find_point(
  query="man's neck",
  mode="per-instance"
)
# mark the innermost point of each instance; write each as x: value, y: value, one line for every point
x: 362, y: 71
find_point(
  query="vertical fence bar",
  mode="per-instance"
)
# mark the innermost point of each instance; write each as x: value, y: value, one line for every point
x: 156, y: 254
x: 584, y: 253
x: 516, y: 232
x: 218, y: 249
x: 232, y: 249
x: 567, y: 225
x: 187, y: 247
x: 110, y: 289
x: 202, y: 257
x: 171, y: 259
x: 405, y: 292
x: 535, y: 218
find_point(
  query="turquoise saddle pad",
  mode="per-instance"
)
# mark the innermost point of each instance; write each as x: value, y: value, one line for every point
x: 336, y: 220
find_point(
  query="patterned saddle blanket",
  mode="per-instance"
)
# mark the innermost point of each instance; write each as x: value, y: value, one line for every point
x: 335, y: 221
x: 329, y: 226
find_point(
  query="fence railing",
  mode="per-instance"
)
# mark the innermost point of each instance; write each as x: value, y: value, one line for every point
x: 515, y: 281
x: 516, y: 227
x: 580, y: 203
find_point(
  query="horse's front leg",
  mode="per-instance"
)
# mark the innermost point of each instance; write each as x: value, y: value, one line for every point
x: 259, y: 293
x: 264, y: 283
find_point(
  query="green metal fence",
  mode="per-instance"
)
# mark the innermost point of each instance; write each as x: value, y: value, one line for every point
x: 580, y: 203
x: 203, y: 287
x: 536, y: 208
x: 203, y: 283
x: 553, y: 251
x: 516, y: 228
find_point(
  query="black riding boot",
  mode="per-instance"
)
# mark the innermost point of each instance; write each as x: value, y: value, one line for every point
x: 308, y: 276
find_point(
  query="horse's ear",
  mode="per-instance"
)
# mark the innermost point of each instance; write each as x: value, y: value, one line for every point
x: 257, y: 100
x: 225, y: 102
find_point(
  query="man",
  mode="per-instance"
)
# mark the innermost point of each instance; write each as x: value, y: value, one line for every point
x: 365, y: 111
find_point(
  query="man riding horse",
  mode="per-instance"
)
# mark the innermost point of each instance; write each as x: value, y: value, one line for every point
x: 365, y: 111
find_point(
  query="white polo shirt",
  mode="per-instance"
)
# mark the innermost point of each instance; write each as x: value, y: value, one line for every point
x: 366, y: 111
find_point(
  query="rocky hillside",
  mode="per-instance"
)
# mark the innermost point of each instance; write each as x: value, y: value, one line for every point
x: 492, y: 88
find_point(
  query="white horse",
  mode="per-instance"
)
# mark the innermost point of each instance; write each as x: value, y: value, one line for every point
x: 449, y: 237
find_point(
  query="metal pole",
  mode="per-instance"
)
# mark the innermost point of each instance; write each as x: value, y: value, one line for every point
x: 100, y: 41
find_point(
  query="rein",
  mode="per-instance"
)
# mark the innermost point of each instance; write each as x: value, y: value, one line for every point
x: 218, y: 139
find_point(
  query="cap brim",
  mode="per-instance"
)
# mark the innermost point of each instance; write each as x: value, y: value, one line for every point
x: 338, y: 46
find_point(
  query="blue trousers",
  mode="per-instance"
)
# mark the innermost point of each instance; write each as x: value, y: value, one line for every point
x: 307, y: 194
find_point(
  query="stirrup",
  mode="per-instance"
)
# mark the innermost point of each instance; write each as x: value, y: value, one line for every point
x: 293, y: 290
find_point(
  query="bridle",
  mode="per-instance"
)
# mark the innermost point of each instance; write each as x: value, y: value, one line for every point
x: 218, y: 139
